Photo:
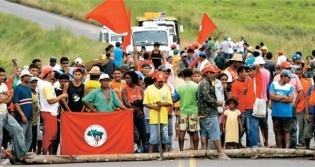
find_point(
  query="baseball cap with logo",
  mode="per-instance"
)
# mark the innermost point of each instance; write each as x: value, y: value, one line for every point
x: 160, y: 76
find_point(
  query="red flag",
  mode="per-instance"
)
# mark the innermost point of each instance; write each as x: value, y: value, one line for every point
x: 127, y: 38
x: 112, y: 14
x: 207, y: 27
x: 97, y: 133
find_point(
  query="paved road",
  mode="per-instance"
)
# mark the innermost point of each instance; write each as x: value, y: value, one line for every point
x: 50, y: 20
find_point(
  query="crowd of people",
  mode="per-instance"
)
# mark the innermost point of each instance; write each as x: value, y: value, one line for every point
x: 210, y: 90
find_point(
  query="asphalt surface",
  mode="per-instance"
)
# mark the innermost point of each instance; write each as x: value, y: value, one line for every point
x: 49, y: 20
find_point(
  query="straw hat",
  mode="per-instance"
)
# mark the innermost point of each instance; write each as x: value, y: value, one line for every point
x: 237, y: 57
x: 95, y: 71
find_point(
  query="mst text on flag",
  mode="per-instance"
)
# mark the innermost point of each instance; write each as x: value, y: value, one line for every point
x: 97, y: 133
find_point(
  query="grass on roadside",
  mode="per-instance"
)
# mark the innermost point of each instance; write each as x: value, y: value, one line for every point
x: 284, y: 24
x: 26, y: 41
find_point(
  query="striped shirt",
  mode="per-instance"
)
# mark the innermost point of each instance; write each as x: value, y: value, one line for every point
x: 23, y: 97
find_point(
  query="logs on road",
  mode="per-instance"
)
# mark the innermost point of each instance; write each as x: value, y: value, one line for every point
x: 235, y: 153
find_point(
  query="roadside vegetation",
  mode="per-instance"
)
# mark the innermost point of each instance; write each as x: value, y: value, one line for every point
x: 25, y: 41
x: 285, y: 24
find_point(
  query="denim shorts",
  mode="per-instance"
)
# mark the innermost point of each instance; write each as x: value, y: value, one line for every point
x: 209, y: 127
x: 154, y: 137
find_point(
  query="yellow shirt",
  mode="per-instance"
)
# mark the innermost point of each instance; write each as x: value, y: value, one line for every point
x: 176, y: 60
x: 153, y: 95
x: 92, y: 84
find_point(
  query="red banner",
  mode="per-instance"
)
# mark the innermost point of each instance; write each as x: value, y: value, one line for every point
x: 112, y: 14
x: 207, y: 27
x: 97, y: 133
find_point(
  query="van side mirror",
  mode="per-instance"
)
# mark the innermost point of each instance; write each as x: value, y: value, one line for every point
x: 181, y: 28
x: 174, y: 38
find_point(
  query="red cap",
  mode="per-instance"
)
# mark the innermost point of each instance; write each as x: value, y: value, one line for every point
x: 160, y: 76
x: 210, y: 68
x: 45, y: 70
x: 280, y: 52
x: 196, y: 45
x: 173, y: 46
x: 285, y: 64
x: 192, y: 47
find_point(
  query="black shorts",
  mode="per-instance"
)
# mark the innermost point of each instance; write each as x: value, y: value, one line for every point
x: 281, y: 124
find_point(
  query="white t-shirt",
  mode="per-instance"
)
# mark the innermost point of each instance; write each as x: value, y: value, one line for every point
x: 47, y: 91
x: 281, y: 59
x: 225, y: 46
x: 3, y: 92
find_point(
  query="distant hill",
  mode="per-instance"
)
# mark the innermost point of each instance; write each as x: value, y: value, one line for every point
x: 282, y: 24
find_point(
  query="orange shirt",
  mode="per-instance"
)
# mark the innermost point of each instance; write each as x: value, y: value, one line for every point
x: 239, y: 91
x: 305, y: 85
x: 251, y: 95
x: 133, y: 97
x: 118, y: 87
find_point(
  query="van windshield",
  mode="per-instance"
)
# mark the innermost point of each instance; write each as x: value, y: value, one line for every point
x: 148, y: 38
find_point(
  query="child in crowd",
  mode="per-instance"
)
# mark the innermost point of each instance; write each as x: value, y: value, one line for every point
x: 197, y: 77
x: 232, y: 125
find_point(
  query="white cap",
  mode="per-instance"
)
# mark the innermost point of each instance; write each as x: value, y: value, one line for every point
x: 259, y: 60
x: 104, y: 76
x: 25, y: 72
x: 78, y: 61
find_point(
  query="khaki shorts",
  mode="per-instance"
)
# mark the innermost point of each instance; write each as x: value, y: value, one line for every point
x: 189, y: 122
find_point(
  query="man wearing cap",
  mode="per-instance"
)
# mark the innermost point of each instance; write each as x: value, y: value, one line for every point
x: 254, y: 91
x: 184, y: 63
x: 264, y: 51
x: 264, y: 75
x: 49, y: 105
x: 281, y: 57
x: 157, y: 98
x: 103, y: 98
x: 9, y: 123
x: 75, y: 90
x: 297, y: 94
x: 203, y: 62
x: 208, y: 110
x: 281, y: 95
x: 22, y: 100
x: 176, y: 60
x: 297, y: 63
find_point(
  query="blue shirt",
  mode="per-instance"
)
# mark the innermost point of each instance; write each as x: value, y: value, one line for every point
x: 281, y: 109
x: 23, y: 96
x: 309, y: 92
x: 118, y: 55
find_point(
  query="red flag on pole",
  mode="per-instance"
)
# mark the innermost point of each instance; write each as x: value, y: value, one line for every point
x: 112, y: 14
x: 207, y: 27
x: 97, y: 133
x: 127, y: 38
